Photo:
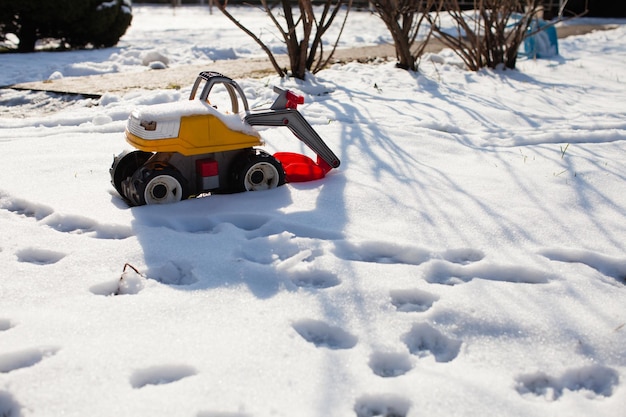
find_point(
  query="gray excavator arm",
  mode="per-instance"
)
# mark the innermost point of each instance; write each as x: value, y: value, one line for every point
x: 284, y: 113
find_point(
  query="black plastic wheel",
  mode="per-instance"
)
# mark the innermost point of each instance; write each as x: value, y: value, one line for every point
x: 156, y: 183
x: 258, y: 171
x: 124, y: 166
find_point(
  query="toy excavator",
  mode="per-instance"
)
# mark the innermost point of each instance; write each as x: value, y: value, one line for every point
x: 189, y: 148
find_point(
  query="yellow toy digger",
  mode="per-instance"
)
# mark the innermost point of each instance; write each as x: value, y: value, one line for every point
x: 189, y: 148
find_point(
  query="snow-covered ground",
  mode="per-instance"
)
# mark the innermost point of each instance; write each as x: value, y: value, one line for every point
x: 467, y: 258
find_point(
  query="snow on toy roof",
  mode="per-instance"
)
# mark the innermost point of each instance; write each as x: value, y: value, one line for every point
x: 176, y: 110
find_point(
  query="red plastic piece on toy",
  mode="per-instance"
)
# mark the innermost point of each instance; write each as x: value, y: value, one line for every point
x: 301, y: 168
x: 293, y: 100
x: 207, y: 167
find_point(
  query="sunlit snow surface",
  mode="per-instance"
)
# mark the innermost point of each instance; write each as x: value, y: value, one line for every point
x: 467, y: 258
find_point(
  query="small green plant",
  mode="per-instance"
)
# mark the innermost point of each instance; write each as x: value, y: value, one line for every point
x: 524, y: 157
x: 563, y: 150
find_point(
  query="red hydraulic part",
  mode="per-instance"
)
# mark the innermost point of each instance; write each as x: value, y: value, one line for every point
x: 298, y: 167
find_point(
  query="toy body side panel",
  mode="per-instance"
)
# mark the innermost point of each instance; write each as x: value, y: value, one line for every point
x: 198, y: 135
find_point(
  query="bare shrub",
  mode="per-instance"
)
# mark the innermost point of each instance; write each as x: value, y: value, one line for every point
x: 302, y: 28
x: 404, y: 19
x: 489, y: 35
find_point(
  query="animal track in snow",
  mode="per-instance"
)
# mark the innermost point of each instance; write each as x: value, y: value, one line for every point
x: 211, y: 224
x: 390, y: 364
x: 593, y: 380
x: 381, y: 252
x: 246, y: 221
x: 9, y: 407
x: 173, y: 273
x: 463, y: 256
x: 383, y: 405
x: 314, y: 279
x: 424, y: 340
x: 63, y: 223
x: 251, y: 225
x: 24, y: 358
x: 607, y: 265
x: 443, y: 272
x: 275, y: 227
x: 412, y: 300
x: 24, y: 208
x: 82, y: 225
x: 39, y: 256
x: 324, y: 335
x: 160, y: 375
x: 5, y: 324
x: 395, y: 253
x: 275, y: 249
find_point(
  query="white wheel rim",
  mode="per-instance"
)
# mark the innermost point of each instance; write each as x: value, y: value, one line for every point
x: 261, y: 176
x: 163, y: 189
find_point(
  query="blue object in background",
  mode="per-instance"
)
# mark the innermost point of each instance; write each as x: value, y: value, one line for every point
x: 543, y: 44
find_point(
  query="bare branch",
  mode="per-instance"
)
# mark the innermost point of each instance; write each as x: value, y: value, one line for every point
x: 222, y: 6
x: 491, y: 34
x: 302, y: 33
x: 404, y: 19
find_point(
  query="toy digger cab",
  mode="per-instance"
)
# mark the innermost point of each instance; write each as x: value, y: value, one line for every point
x: 189, y: 148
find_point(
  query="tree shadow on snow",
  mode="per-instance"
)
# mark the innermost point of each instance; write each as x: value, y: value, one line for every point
x: 433, y: 111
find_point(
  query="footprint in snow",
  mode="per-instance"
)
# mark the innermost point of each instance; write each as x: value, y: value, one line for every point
x: 382, y: 405
x: 213, y: 224
x: 280, y: 250
x: 607, y: 265
x: 24, y: 208
x: 314, y: 279
x: 25, y: 358
x: 447, y: 273
x: 252, y: 226
x: 381, y: 252
x: 463, y: 256
x: 160, y: 375
x: 390, y: 364
x: 39, y: 256
x: 412, y: 300
x: 395, y: 253
x: 245, y: 221
x: 592, y: 381
x: 9, y: 407
x: 173, y: 273
x: 424, y: 340
x: 63, y: 223
x: 5, y: 324
x: 84, y: 226
x: 323, y: 335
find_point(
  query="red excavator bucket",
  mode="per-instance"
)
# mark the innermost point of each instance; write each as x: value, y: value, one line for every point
x: 301, y: 168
